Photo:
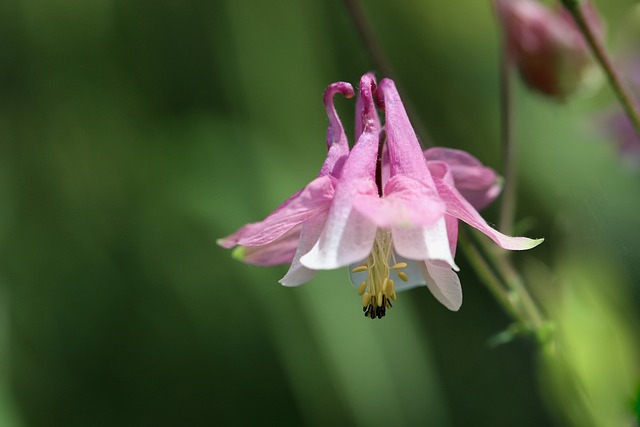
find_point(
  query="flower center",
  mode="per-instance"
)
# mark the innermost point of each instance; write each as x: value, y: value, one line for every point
x: 378, y: 289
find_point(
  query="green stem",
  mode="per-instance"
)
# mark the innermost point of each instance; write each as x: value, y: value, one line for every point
x: 486, y: 274
x: 574, y: 8
x: 522, y: 306
x: 516, y: 284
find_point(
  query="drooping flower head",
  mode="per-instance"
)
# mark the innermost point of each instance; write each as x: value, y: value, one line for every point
x: 393, y: 210
x: 546, y: 45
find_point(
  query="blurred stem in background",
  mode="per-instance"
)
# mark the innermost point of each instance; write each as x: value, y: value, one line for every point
x: 506, y: 284
x: 379, y: 59
x: 574, y: 7
x: 589, y: 370
x: 492, y: 266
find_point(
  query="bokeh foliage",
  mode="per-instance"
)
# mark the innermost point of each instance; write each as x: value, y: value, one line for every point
x: 134, y: 134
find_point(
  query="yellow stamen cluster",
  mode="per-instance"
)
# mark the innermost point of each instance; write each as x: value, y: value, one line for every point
x: 378, y: 289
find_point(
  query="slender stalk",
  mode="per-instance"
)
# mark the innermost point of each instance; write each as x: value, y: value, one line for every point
x: 508, y: 205
x: 510, y: 290
x: 574, y: 8
x: 516, y: 285
x: 379, y: 59
x: 509, y: 149
x: 491, y: 281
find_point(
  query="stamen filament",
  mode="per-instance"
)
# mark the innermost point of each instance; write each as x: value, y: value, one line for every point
x: 378, y: 289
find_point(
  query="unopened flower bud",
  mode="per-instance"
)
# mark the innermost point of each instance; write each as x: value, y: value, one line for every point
x: 546, y: 45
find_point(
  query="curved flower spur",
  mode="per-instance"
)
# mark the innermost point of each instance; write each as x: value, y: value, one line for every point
x: 274, y: 240
x: 388, y: 210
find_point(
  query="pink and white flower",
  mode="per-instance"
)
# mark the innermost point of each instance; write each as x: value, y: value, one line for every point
x: 390, y: 211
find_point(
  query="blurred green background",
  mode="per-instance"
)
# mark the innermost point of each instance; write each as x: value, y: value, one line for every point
x: 134, y: 134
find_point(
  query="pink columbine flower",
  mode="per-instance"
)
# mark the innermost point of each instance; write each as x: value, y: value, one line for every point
x: 393, y: 211
x: 546, y: 45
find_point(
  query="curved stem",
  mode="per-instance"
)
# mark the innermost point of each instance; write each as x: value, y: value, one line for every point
x: 573, y: 6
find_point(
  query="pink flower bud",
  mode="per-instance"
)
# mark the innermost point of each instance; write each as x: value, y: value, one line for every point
x: 546, y: 45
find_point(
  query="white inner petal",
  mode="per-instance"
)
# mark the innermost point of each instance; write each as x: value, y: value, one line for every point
x: 444, y: 284
x: 347, y: 236
x: 424, y: 243
x: 438, y: 243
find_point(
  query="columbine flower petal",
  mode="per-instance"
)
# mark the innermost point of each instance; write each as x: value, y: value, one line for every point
x: 307, y: 203
x: 406, y: 203
x: 348, y: 235
x: 298, y: 274
x: 422, y: 243
x: 458, y: 207
x: 444, y: 284
x: 478, y: 184
x: 441, y: 170
x: 405, y: 154
x: 280, y: 251
x: 337, y: 143
x: 411, y: 182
